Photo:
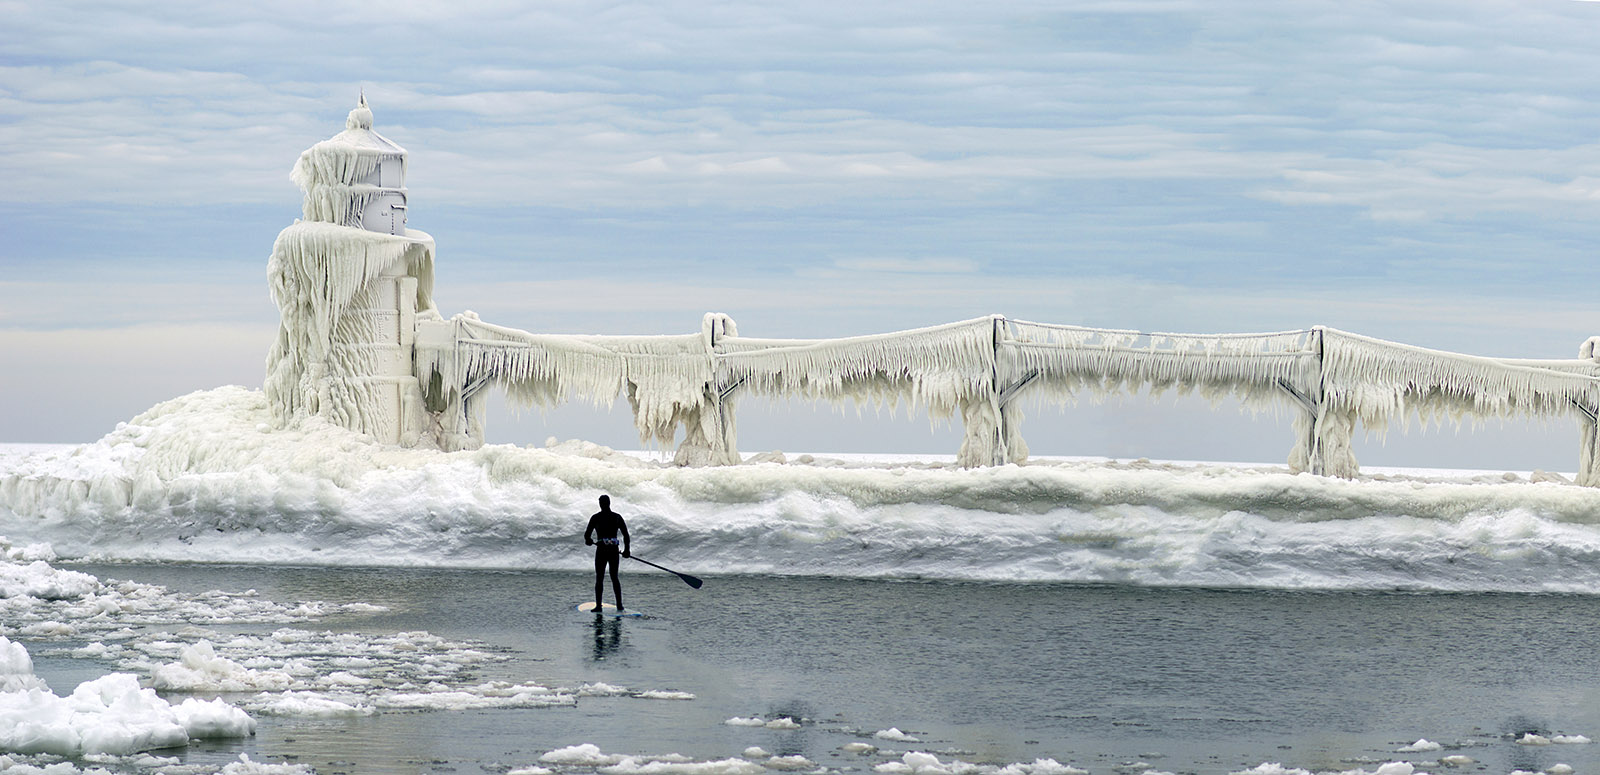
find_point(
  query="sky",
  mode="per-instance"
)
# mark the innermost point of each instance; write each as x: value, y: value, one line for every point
x: 1425, y: 172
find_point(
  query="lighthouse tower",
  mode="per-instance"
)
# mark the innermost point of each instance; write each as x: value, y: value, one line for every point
x: 350, y: 280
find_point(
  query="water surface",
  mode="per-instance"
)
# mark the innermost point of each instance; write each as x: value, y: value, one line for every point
x: 1101, y: 677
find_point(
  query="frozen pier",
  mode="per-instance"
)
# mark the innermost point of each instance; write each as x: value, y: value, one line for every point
x: 361, y: 344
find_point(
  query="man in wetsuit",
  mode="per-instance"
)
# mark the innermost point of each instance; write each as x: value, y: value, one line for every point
x: 602, y: 535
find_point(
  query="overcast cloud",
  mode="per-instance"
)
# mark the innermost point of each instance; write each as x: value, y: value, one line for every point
x: 1421, y: 171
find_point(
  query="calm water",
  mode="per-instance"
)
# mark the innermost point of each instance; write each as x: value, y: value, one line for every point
x: 1099, y: 677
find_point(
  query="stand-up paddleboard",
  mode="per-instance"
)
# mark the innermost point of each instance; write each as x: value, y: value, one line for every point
x: 608, y: 610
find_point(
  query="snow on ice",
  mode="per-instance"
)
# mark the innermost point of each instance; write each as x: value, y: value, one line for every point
x: 111, y: 714
x: 205, y: 477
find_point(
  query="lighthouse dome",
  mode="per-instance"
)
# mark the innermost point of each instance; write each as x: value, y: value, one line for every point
x: 355, y: 178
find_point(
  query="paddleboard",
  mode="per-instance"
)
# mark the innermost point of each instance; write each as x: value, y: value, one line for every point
x: 608, y: 610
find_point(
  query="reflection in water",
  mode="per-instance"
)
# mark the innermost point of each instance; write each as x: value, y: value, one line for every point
x: 607, y: 637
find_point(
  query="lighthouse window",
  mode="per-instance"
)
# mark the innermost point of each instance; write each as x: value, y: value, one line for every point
x: 389, y: 173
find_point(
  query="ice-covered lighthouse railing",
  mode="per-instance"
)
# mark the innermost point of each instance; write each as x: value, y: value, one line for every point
x: 665, y: 378
x: 1378, y: 382
x: 361, y: 345
x: 979, y: 368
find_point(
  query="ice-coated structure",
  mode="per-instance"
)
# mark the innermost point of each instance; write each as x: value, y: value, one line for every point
x: 361, y: 344
x: 350, y: 281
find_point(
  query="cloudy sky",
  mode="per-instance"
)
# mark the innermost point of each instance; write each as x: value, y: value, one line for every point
x: 1427, y: 172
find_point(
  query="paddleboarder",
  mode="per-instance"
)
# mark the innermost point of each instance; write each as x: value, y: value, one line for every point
x: 602, y: 534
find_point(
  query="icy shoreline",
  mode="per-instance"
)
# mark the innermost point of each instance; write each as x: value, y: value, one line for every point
x: 203, y: 478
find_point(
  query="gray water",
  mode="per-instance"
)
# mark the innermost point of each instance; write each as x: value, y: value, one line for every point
x: 1104, y: 678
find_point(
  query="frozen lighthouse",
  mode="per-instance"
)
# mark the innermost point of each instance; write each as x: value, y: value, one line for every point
x: 361, y: 345
x: 350, y: 279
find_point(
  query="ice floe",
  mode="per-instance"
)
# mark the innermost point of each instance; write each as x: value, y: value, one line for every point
x: 111, y: 714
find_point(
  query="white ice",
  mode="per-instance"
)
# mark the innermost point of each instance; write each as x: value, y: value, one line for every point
x: 894, y: 734
x: 201, y: 477
x: 111, y: 714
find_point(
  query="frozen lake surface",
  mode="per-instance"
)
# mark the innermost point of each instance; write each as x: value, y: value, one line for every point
x: 1113, y: 680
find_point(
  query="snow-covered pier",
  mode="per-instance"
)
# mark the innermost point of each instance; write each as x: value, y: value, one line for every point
x: 361, y: 344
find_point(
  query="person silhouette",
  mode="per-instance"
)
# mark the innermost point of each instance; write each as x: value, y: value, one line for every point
x: 602, y: 535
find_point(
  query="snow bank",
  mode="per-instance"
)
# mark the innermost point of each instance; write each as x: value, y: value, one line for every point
x: 203, y: 477
x: 111, y: 714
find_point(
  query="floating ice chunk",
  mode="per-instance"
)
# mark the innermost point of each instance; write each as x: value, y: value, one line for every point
x: 789, y: 763
x: 38, y: 580
x: 1042, y: 767
x: 1559, y: 769
x: 659, y: 694
x: 214, y: 718
x: 245, y: 766
x: 598, y: 689
x: 531, y: 771
x: 29, y: 553
x: 1271, y: 768
x: 1456, y: 760
x: 583, y: 754
x: 1570, y: 739
x: 49, y: 630
x: 1422, y: 744
x: 1395, y: 768
x: 16, y: 668
x: 306, y: 705
x: 200, y: 669
x: 752, y: 721
x: 923, y: 763
x: 663, y: 766
x: 1530, y: 738
x: 110, y: 714
x: 894, y: 734
x: 756, y: 752
x: 782, y: 723
x: 858, y: 748
x: 490, y: 695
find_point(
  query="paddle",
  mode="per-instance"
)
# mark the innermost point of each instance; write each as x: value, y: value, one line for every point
x: 687, y: 579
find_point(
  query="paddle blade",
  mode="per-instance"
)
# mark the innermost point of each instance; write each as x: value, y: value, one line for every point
x: 687, y: 579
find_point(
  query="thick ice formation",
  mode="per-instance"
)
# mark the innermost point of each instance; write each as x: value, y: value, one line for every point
x: 350, y: 281
x: 205, y: 477
x: 361, y: 346
x: 1331, y: 379
x: 111, y: 714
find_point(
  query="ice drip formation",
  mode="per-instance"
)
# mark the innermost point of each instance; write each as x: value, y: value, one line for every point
x: 361, y: 344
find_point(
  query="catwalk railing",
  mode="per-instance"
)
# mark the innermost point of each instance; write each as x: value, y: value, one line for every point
x: 983, y: 369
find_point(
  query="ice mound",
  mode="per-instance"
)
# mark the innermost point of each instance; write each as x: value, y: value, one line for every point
x: 38, y: 580
x: 1274, y: 768
x: 111, y: 714
x: 589, y: 755
x: 1422, y: 744
x: 16, y: 668
x: 894, y: 734
x: 922, y: 763
x: 205, y: 477
x: 585, y: 753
